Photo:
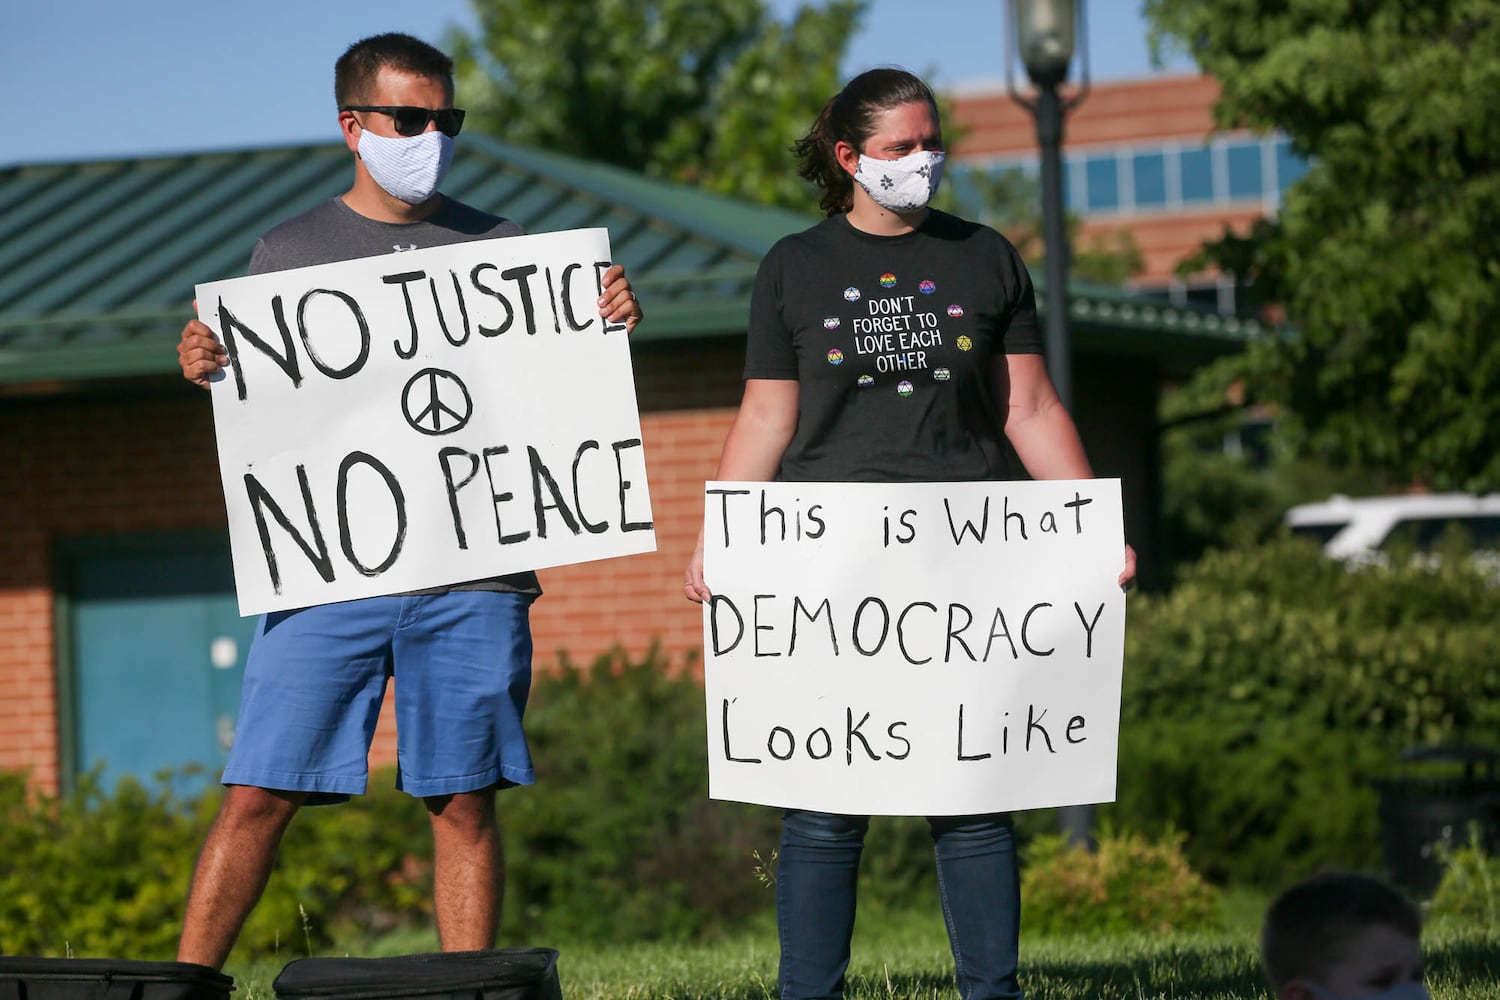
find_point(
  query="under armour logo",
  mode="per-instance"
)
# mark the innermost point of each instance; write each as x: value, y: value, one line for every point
x: 399, y: 247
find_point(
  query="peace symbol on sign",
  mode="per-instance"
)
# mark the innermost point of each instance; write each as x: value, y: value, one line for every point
x: 436, y: 402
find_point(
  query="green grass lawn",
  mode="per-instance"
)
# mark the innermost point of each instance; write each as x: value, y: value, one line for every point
x: 904, y: 956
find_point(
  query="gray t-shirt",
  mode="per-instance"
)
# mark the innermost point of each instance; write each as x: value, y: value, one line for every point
x: 333, y: 232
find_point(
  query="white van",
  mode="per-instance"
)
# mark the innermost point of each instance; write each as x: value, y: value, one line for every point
x: 1351, y: 528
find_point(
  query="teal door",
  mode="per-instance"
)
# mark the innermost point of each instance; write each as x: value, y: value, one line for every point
x: 158, y: 650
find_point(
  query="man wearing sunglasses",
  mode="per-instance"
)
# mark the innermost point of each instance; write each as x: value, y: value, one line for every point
x: 315, y: 678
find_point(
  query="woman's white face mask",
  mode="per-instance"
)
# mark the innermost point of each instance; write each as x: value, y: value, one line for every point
x: 901, y: 185
x: 409, y: 169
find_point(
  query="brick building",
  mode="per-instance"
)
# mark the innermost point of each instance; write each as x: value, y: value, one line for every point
x: 1142, y: 155
x: 119, y: 636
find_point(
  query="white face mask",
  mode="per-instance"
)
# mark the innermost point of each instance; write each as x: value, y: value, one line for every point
x: 1409, y: 990
x: 408, y: 168
x: 901, y: 185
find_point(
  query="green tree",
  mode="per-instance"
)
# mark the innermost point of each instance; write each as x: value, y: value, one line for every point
x: 707, y: 92
x: 1386, y: 253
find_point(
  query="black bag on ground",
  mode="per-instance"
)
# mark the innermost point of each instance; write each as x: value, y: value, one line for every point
x: 24, y: 978
x: 500, y: 974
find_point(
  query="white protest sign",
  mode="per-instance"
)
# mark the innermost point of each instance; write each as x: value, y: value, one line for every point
x: 425, y: 418
x: 913, y: 648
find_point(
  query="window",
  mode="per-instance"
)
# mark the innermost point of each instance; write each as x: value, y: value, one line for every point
x: 1150, y: 180
x: 1289, y: 166
x: 1459, y: 532
x: 1197, y: 174
x: 1245, y: 171
x: 1320, y: 533
x: 1102, y: 175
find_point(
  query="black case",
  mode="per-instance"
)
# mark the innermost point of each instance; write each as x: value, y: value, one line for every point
x: 23, y: 978
x: 500, y: 974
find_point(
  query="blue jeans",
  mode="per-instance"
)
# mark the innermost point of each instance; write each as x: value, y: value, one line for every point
x: 978, y: 881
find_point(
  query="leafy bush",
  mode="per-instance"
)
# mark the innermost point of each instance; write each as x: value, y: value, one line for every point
x: 1269, y: 684
x: 1469, y: 893
x: 619, y: 840
x: 94, y: 874
x: 1128, y: 884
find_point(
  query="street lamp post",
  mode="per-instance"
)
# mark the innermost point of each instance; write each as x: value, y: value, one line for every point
x: 1043, y: 32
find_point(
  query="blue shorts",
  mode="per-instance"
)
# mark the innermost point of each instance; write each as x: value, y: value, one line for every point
x: 315, y: 679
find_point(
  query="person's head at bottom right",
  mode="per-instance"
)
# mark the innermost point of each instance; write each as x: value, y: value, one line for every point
x: 1343, y: 936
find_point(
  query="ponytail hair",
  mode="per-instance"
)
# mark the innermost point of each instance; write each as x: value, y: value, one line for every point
x: 849, y: 116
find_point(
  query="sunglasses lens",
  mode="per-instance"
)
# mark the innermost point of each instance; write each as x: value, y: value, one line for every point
x: 449, y: 121
x: 411, y: 121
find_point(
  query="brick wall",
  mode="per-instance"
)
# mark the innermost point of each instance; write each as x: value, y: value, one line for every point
x: 1144, y: 110
x: 1114, y: 113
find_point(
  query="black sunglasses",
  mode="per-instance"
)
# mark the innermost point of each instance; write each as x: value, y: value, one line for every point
x: 413, y: 121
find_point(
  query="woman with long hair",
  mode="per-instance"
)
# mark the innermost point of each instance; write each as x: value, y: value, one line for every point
x: 918, y: 403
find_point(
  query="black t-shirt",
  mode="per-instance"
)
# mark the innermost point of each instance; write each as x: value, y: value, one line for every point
x: 891, y: 340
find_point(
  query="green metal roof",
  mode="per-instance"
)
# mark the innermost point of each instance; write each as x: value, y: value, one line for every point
x: 98, y: 260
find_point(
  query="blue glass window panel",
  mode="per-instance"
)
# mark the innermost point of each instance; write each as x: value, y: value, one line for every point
x: 1289, y: 166
x: 1150, y: 180
x: 1197, y: 167
x: 1244, y: 171
x: 1103, y: 177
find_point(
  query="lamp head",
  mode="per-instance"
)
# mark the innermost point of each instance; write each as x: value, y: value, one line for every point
x: 1044, y: 36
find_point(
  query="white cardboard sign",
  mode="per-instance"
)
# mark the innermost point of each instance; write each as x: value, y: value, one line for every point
x: 425, y: 418
x: 913, y: 648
